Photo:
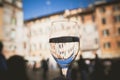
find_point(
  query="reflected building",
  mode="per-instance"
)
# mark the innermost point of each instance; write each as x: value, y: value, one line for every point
x: 11, y: 26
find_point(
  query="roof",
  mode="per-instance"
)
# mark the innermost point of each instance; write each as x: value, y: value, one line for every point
x: 85, y: 11
x: 48, y: 15
x: 99, y: 4
x: 45, y: 16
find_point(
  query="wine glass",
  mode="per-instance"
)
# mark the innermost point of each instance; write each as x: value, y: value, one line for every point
x: 64, y: 43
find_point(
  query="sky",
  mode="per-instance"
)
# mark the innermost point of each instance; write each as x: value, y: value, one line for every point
x: 38, y: 8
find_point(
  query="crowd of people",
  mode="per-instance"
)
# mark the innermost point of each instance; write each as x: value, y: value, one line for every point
x: 12, y: 69
x: 96, y: 69
x: 83, y: 69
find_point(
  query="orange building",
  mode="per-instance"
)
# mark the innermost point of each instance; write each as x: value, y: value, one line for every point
x: 108, y: 22
x: 1, y: 21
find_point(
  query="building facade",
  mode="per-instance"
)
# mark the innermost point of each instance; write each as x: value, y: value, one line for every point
x: 38, y: 33
x: 37, y: 44
x: 11, y: 26
x: 108, y: 22
x: 99, y: 30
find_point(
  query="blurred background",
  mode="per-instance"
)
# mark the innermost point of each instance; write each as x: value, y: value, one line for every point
x: 25, y: 26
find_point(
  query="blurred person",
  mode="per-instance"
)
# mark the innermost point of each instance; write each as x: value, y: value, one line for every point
x: 74, y: 71
x: 107, y: 68
x: 98, y: 73
x: 17, y: 68
x: 34, y: 66
x: 44, y: 67
x: 115, y: 71
x: 91, y: 68
x: 3, y: 64
x: 83, y: 68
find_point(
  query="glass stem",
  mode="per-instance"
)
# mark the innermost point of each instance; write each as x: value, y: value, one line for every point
x: 64, y: 71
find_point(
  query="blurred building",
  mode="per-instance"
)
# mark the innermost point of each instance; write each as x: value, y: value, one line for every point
x: 99, y: 29
x: 11, y: 26
x: 37, y: 44
x: 38, y: 32
x: 108, y: 22
x: 89, y: 39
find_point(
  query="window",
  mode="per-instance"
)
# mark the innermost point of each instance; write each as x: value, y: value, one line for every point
x: 13, y: 17
x: 118, y: 44
x: 107, y: 45
x: 13, y: 20
x: 102, y: 9
x: 116, y: 8
x: 117, y: 18
x: 105, y: 32
x: 12, y: 47
x: 12, y: 34
x: 96, y: 41
x: 25, y: 45
x: 119, y: 30
x: 103, y: 21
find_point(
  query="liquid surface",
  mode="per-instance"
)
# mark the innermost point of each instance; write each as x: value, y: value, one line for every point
x: 64, y: 49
